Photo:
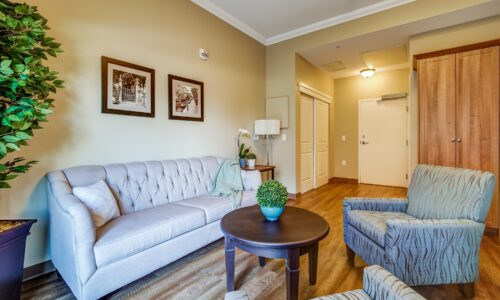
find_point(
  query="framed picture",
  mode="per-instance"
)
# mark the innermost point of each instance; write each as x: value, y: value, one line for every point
x: 127, y: 89
x: 185, y: 99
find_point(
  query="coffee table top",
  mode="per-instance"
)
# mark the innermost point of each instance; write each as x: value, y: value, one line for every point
x: 295, y: 228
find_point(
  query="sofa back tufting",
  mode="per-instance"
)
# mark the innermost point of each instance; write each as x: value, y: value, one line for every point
x: 140, y: 185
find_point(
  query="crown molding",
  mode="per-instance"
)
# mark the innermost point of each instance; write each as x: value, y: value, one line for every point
x: 226, y: 17
x: 355, y: 14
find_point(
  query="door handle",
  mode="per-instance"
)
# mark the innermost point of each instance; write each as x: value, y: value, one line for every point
x: 459, y: 140
x: 453, y: 140
x: 363, y: 143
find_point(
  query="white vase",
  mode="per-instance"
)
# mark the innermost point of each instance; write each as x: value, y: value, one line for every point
x: 251, y: 163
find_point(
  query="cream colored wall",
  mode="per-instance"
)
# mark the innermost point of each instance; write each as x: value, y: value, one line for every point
x: 166, y: 36
x: 280, y: 66
x: 465, y: 34
x: 309, y: 74
x: 347, y: 93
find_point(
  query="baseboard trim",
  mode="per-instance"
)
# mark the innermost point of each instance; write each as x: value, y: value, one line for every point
x: 292, y: 196
x: 490, y: 231
x: 38, y: 270
x: 343, y: 180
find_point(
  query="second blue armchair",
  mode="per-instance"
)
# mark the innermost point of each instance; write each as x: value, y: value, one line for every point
x: 432, y: 236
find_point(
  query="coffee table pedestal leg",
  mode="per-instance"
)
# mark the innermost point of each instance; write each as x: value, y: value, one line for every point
x: 292, y: 274
x: 229, y: 250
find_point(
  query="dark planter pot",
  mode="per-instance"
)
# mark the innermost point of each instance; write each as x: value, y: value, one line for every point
x: 12, y: 246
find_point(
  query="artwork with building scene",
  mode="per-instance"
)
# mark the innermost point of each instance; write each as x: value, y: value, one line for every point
x: 185, y: 99
x: 127, y: 89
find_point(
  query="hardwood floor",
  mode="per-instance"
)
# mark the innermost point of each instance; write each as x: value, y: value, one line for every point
x: 201, y: 275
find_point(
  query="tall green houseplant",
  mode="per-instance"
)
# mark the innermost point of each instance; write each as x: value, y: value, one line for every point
x: 25, y: 82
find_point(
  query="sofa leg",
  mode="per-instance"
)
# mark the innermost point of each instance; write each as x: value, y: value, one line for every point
x: 350, y: 254
x: 467, y: 289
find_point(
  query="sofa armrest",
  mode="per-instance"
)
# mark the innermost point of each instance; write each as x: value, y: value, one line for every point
x: 72, y: 232
x: 251, y: 180
x: 380, y: 284
x: 433, y: 251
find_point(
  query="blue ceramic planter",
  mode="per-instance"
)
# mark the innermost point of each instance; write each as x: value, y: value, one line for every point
x: 242, y: 162
x: 272, y: 213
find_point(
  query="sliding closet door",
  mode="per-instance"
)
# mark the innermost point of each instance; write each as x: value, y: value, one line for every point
x: 306, y: 144
x: 321, y: 147
x: 478, y: 114
x: 436, y: 88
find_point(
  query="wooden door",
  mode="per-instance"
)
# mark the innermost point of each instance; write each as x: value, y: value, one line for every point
x: 382, y: 142
x: 478, y: 115
x: 306, y: 144
x: 436, y: 89
x: 321, y: 146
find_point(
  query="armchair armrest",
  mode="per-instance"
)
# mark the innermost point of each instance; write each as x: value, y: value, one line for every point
x: 72, y: 232
x: 436, y: 251
x: 380, y: 284
x: 376, y: 204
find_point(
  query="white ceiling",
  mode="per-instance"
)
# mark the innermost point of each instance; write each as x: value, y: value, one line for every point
x: 350, y: 51
x: 272, y: 21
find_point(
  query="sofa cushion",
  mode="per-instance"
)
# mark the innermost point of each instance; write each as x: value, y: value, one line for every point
x: 214, y: 207
x: 373, y: 224
x: 135, y: 232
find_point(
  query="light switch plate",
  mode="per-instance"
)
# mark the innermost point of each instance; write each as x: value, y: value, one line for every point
x: 343, y: 138
x: 283, y: 137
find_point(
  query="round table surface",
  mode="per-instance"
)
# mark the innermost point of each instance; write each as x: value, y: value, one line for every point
x: 296, y: 227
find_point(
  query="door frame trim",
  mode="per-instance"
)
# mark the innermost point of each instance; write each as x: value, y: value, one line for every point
x: 317, y: 94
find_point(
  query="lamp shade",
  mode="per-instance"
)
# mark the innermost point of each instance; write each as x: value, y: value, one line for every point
x: 267, y: 127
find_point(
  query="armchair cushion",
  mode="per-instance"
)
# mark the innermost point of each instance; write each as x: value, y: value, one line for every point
x: 374, y: 224
x: 138, y: 231
x: 424, y: 252
x: 450, y: 193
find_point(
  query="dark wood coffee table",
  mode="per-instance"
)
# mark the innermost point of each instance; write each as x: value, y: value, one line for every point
x: 297, y: 232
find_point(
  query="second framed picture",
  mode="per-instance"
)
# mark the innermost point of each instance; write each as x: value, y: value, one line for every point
x: 185, y: 99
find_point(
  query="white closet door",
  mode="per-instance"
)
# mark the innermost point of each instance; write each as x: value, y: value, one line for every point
x: 321, y: 148
x: 306, y: 144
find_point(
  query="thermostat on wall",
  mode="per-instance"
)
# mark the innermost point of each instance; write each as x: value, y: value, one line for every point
x: 203, y: 54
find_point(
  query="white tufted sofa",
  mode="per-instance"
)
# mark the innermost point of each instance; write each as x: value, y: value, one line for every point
x: 166, y: 213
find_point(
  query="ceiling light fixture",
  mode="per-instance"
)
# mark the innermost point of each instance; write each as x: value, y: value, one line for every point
x: 367, y: 73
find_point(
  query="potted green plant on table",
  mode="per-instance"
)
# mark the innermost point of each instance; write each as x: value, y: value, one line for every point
x: 25, y: 85
x: 251, y: 160
x: 243, y: 154
x: 272, y: 197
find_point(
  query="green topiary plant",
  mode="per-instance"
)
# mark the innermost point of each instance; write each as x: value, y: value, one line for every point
x: 272, y: 194
x: 25, y: 81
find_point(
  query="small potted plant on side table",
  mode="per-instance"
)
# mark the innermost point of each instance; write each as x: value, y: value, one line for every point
x: 272, y: 197
x: 251, y: 160
x: 243, y: 154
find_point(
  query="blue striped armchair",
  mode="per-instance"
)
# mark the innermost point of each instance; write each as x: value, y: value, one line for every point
x: 432, y: 236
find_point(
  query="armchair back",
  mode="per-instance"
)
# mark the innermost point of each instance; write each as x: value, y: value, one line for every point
x: 437, y: 192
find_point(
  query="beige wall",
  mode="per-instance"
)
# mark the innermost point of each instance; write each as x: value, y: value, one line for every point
x: 347, y: 93
x: 280, y: 66
x: 320, y: 80
x: 166, y: 36
x: 469, y: 33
